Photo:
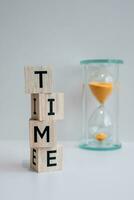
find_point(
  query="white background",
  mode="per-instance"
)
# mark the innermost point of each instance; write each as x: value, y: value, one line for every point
x: 62, y: 33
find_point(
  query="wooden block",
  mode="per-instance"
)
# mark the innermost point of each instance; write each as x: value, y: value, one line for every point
x: 42, y: 133
x: 47, y: 106
x: 38, y: 79
x: 46, y: 159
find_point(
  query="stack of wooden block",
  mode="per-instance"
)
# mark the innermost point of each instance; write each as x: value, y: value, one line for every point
x: 46, y: 108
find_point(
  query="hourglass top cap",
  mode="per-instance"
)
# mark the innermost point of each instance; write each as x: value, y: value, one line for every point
x: 101, y: 61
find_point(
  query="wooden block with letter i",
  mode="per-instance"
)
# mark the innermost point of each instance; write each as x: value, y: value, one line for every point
x: 38, y: 79
x: 46, y: 159
x: 47, y: 107
x: 42, y: 133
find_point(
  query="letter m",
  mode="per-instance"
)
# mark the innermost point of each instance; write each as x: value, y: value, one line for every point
x: 41, y: 134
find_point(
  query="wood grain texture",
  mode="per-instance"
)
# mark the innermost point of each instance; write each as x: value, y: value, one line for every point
x: 46, y: 159
x: 42, y: 133
x: 47, y: 106
x: 33, y: 82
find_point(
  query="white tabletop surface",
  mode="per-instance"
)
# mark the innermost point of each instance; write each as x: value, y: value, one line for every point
x: 86, y: 174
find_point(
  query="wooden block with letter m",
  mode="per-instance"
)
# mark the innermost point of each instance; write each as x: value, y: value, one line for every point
x: 42, y: 133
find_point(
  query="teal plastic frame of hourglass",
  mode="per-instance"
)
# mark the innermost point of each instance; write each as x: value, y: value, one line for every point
x: 100, y: 90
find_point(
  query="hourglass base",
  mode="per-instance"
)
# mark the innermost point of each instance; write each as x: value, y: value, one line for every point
x: 101, y: 147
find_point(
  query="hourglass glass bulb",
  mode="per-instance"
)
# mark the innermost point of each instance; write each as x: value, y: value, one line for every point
x: 100, y: 125
x: 101, y: 85
x: 101, y: 90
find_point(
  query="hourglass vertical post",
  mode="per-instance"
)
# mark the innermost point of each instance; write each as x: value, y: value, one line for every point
x: 84, y: 104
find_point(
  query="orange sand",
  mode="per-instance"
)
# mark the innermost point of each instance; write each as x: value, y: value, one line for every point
x: 101, y: 136
x: 101, y: 90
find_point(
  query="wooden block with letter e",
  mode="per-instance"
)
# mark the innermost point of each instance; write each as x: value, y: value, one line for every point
x: 46, y: 159
x: 38, y: 79
x: 42, y: 133
x: 47, y: 106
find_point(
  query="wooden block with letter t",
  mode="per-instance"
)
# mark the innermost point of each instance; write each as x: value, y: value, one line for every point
x: 38, y: 79
x: 47, y: 106
x: 42, y: 133
x: 46, y: 159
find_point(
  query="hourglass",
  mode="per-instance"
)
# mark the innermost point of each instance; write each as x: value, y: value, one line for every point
x: 100, y: 104
x: 99, y: 124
